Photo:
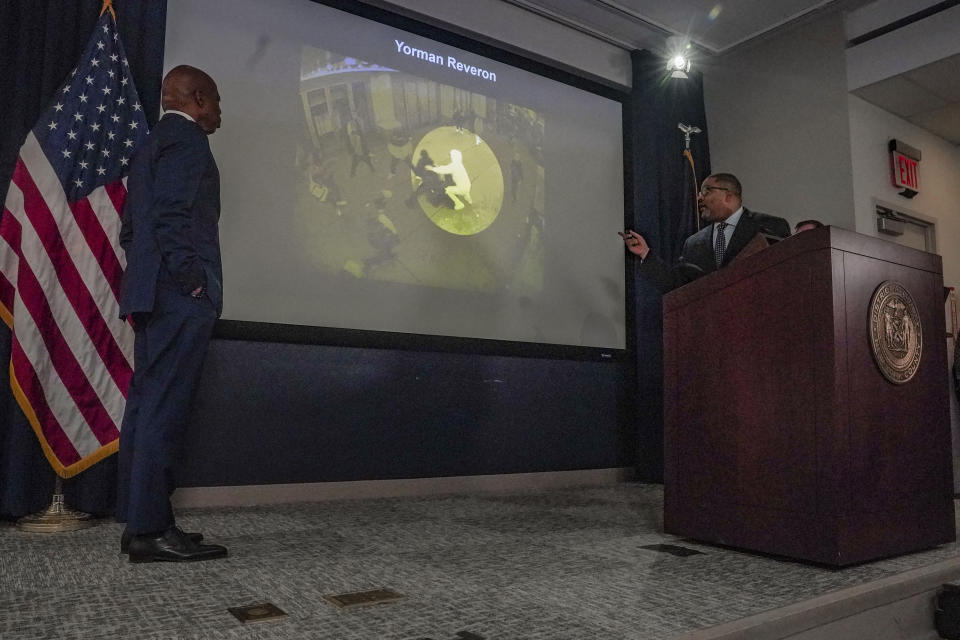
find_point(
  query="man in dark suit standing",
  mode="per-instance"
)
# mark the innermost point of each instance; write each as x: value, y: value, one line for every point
x: 715, y: 245
x: 172, y: 290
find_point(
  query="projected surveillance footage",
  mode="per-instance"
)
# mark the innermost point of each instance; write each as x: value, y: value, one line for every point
x: 411, y: 181
x: 377, y: 179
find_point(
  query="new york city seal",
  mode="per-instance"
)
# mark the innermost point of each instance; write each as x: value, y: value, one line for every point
x: 896, y: 336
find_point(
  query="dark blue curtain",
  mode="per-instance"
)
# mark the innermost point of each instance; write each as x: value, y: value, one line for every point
x: 663, y: 214
x: 41, y: 41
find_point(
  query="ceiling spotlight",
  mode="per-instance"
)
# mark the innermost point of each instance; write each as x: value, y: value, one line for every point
x: 678, y: 61
x: 678, y: 66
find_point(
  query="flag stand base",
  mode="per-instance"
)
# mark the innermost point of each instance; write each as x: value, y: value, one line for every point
x: 56, y: 518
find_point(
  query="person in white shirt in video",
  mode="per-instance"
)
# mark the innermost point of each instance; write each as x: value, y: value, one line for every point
x: 461, y: 181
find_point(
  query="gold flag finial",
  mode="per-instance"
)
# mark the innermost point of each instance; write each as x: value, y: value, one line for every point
x: 108, y: 5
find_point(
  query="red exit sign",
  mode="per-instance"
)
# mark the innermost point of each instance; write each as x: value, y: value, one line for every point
x: 905, y: 172
x: 904, y: 165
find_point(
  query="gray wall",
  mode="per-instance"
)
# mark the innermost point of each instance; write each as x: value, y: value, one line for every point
x: 938, y: 200
x: 777, y: 114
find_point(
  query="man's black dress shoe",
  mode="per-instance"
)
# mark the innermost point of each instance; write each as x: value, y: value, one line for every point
x: 125, y: 538
x: 172, y: 545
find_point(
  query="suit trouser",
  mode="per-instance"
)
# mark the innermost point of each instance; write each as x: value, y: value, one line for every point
x: 169, y: 347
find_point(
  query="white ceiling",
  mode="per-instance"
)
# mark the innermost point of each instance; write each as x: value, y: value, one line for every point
x: 928, y: 96
x: 713, y: 26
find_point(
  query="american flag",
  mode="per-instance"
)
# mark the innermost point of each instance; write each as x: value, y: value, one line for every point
x: 61, y: 263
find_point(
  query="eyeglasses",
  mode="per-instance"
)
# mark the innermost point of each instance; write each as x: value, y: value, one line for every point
x: 707, y: 189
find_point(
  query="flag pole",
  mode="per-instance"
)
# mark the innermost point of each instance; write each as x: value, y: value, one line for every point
x: 56, y: 518
x: 688, y: 131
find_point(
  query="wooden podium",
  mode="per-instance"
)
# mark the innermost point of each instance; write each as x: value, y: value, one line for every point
x: 782, y: 435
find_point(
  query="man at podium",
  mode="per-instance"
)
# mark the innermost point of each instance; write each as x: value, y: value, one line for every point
x: 732, y: 228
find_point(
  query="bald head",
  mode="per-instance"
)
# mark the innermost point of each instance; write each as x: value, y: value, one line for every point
x: 192, y: 91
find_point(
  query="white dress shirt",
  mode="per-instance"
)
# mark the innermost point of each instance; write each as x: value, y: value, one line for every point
x: 728, y: 230
x: 180, y: 113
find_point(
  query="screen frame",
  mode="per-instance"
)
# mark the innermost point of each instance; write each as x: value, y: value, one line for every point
x: 250, y: 331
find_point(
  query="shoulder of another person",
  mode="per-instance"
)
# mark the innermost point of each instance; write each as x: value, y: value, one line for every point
x: 181, y: 133
x: 178, y: 125
x: 772, y: 223
x: 758, y: 215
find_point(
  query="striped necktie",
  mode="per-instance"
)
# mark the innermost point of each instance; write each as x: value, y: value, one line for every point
x: 720, y: 245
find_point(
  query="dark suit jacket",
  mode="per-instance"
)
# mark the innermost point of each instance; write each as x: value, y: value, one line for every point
x: 698, y: 251
x: 169, y: 228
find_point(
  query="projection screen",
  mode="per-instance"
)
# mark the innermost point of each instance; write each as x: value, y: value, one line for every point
x: 376, y: 179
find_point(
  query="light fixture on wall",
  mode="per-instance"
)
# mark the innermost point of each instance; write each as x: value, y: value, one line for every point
x: 678, y: 57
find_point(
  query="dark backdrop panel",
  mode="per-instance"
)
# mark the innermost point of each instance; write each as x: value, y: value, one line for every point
x: 283, y: 413
x: 662, y: 215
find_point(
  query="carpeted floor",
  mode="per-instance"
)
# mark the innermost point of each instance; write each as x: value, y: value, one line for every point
x: 560, y: 564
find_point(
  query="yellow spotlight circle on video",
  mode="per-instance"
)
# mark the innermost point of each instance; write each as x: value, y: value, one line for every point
x: 465, y: 195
